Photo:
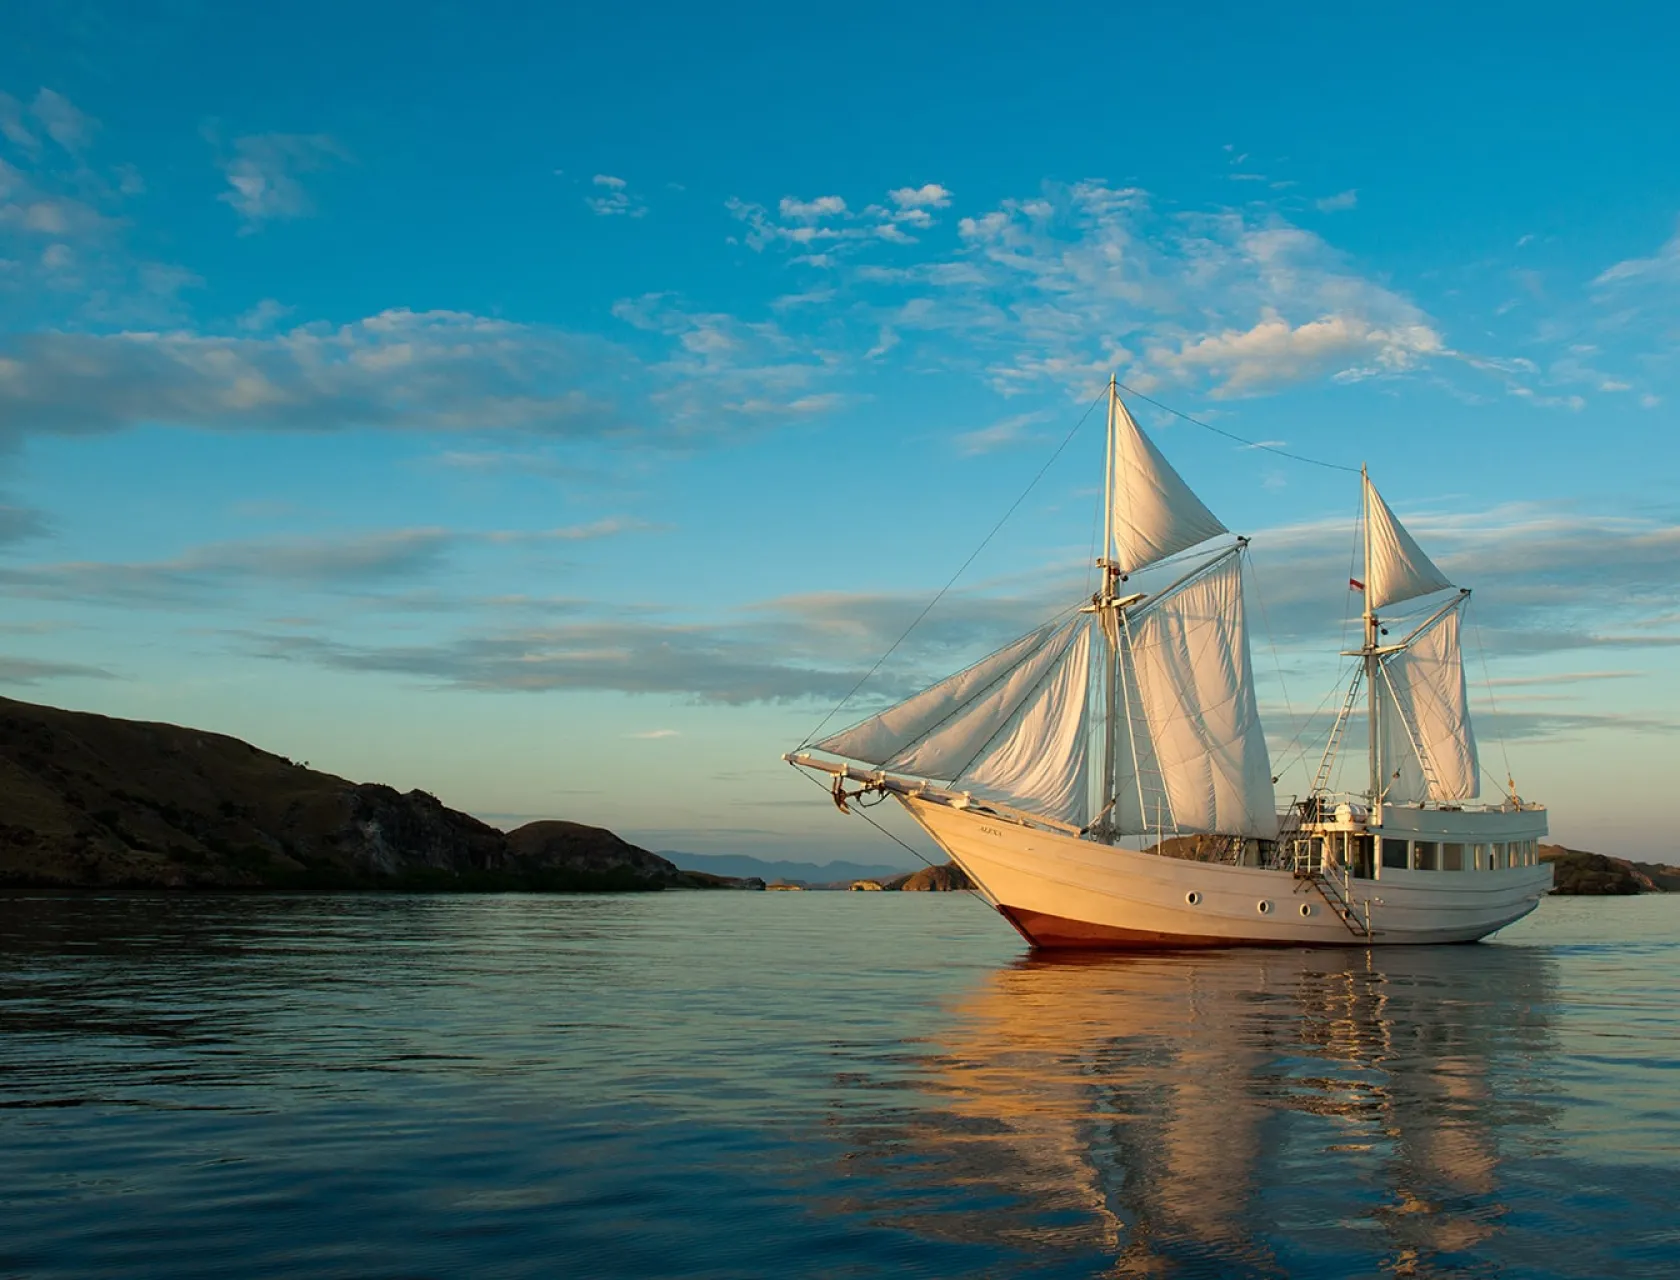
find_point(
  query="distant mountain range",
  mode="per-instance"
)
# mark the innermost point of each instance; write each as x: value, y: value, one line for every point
x: 739, y: 865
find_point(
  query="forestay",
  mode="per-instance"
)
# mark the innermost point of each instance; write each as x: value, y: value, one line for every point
x: 1397, y: 568
x: 1428, y: 746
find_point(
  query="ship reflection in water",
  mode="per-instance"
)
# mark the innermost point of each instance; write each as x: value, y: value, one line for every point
x: 1243, y: 1113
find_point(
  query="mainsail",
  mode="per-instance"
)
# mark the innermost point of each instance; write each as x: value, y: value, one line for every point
x: 1428, y: 746
x: 1137, y: 715
x: 1190, y: 652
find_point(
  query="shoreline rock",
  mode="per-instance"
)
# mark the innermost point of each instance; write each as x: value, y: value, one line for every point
x: 1579, y: 872
x: 95, y: 802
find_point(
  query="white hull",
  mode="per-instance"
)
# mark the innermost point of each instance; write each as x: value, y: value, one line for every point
x: 1061, y: 891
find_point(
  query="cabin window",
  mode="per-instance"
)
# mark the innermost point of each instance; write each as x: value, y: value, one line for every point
x: 1394, y: 853
x: 1496, y: 857
x: 1423, y: 855
x: 1452, y: 857
x: 1530, y: 849
x: 1480, y: 858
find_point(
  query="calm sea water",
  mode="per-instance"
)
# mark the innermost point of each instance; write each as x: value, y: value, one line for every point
x: 733, y: 1084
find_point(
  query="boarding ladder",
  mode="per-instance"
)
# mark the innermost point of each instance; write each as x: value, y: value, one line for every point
x: 1335, y: 893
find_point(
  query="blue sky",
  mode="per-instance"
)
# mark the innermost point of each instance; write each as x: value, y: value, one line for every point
x: 557, y: 408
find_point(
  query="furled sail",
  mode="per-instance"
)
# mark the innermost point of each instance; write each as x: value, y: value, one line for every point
x: 1396, y: 568
x: 1152, y: 512
x: 1013, y: 727
x: 1428, y: 747
x: 1190, y: 654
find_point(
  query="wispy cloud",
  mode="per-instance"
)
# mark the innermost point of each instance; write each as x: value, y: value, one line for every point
x: 20, y: 523
x: 1662, y: 267
x: 1062, y: 287
x: 829, y: 223
x: 30, y: 671
x: 613, y: 198
x: 209, y: 574
x: 1338, y: 202
x: 264, y: 175
x: 651, y: 735
x: 63, y: 122
x: 1008, y: 431
x: 403, y: 369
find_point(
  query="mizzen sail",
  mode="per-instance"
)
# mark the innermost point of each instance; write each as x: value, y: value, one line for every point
x: 1428, y: 746
x: 1396, y: 567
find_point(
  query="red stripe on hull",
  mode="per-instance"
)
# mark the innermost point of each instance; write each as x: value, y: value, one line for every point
x: 1059, y: 933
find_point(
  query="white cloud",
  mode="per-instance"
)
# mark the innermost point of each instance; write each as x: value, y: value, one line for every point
x: 12, y: 126
x: 931, y: 196
x: 1086, y: 278
x: 64, y: 124
x: 1006, y: 432
x: 615, y: 198
x: 829, y: 221
x: 811, y: 210
x: 263, y: 175
x: 436, y: 370
x: 1273, y: 352
x: 1663, y: 267
x: 263, y: 316
x: 650, y: 735
x: 1336, y: 203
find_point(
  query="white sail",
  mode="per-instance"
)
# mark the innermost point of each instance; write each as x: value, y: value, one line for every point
x: 881, y: 737
x: 1039, y: 761
x: 1396, y: 568
x: 1190, y: 652
x: 1428, y: 746
x: 1152, y: 512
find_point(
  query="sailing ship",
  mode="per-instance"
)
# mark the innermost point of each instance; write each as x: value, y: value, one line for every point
x: 1132, y: 716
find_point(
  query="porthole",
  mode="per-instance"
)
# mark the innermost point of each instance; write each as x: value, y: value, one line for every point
x: 1193, y: 898
x: 1306, y: 908
x: 1264, y: 907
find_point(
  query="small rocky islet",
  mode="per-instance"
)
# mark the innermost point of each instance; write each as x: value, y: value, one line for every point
x: 92, y: 801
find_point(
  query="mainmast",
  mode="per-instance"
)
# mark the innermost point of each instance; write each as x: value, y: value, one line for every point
x: 1108, y: 615
x: 1370, y: 649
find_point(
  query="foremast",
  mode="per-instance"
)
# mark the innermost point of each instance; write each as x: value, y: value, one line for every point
x: 1169, y: 679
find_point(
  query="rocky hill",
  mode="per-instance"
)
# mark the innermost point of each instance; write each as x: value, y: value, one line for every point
x: 942, y: 879
x: 1576, y: 871
x: 93, y: 801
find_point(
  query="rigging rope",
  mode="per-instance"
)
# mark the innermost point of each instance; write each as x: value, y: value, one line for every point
x: 1271, y: 643
x: 961, y: 569
x: 1493, y: 706
x: 1231, y: 435
x: 905, y: 845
